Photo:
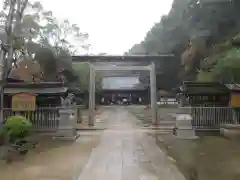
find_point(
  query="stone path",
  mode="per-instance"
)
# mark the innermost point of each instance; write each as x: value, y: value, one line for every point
x: 126, y: 152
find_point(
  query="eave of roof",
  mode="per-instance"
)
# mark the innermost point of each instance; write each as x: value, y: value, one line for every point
x: 51, y: 90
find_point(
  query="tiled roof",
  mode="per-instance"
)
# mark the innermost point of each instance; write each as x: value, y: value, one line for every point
x: 233, y: 86
x: 204, y: 88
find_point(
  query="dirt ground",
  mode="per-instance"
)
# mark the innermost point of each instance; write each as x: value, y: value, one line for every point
x: 52, y: 159
x: 208, y: 158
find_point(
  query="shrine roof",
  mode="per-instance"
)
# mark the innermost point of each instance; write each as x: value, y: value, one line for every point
x: 39, y: 88
x: 36, y: 90
x: 203, y: 88
x: 233, y: 87
x: 33, y: 85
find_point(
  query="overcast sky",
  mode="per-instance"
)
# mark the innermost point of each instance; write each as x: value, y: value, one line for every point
x: 113, y: 25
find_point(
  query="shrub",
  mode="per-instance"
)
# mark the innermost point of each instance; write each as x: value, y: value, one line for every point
x: 17, y: 127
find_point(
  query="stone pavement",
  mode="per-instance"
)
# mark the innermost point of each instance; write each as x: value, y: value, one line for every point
x: 127, y: 152
x: 100, y: 123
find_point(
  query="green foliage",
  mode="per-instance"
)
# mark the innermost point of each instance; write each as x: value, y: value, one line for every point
x: 17, y: 127
x: 223, y: 62
x: 82, y: 70
x: 205, y: 76
x: 227, y: 68
x: 224, y: 67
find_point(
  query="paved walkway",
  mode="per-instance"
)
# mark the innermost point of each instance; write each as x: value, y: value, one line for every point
x: 126, y: 152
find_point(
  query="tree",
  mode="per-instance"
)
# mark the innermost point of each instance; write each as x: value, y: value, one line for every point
x: 224, y: 67
x: 205, y: 76
x: 191, y: 31
x: 41, y: 28
x: 41, y: 34
x: 83, y: 73
x: 228, y: 67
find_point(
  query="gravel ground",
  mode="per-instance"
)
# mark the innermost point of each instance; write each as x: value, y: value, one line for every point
x: 51, y: 159
x: 208, y: 158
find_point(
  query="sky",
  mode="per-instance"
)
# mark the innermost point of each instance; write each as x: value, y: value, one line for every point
x: 114, y: 26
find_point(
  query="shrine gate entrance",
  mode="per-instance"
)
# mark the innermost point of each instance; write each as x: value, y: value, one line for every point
x: 120, y: 64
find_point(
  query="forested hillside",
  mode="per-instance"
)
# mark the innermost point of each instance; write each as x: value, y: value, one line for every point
x: 203, y: 35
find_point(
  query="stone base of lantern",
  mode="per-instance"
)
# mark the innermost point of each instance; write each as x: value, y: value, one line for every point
x: 66, y: 134
x: 67, y: 126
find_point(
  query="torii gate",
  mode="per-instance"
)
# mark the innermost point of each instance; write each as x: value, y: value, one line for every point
x: 149, y: 65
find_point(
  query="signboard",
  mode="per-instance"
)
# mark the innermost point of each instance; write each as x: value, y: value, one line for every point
x: 235, y: 100
x: 24, y: 102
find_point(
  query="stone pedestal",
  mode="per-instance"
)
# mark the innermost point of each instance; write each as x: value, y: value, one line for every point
x: 184, y: 129
x: 67, y: 125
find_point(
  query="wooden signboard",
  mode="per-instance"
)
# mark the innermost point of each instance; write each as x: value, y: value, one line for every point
x: 235, y: 100
x: 24, y: 102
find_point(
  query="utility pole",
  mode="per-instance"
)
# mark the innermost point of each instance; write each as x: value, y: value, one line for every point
x: 12, y: 23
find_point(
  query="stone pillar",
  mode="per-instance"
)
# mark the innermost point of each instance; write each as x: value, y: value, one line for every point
x: 91, y: 95
x: 153, y: 90
x: 184, y: 129
x: 67, y: 125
